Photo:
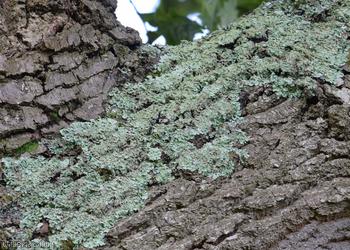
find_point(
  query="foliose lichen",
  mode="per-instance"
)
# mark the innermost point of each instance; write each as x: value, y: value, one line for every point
x: 183, y: 118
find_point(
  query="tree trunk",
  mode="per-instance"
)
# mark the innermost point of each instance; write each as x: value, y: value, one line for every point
x: 58, y: 61
x: 238, y: 141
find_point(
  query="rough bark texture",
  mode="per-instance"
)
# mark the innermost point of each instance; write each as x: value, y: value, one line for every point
x: 292, y: 192
x: 58, y: 61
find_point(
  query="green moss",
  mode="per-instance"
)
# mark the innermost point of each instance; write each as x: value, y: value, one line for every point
x: 184, y: 118
x: 28, y: 147
x: 6, y: 198
x: 4, y: 240
x: 67, y: 245
x: 54, y: 116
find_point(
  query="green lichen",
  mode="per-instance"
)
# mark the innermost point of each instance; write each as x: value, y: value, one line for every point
x: 183, y: 118
x: 154, y: 154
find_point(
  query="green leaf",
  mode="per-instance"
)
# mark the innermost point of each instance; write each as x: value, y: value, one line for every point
x: 173, y: 23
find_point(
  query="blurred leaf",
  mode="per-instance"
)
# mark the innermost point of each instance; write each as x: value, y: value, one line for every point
x: 209, y: 13
x: 172, y: 22
x: 173, y: 25
x: 246, y: 6
x: 171, y: 17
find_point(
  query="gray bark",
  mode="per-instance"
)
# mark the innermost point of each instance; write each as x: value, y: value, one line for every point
x: 58, y: 61
x: 293, y: 193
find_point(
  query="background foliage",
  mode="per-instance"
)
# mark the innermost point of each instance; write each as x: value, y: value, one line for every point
x: 171, y: 17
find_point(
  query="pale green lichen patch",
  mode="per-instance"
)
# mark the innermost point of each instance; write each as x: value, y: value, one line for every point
x: 183, y: 118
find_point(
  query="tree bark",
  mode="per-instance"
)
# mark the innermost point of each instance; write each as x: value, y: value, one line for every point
x: 58, y: 61
x: 292, y: 192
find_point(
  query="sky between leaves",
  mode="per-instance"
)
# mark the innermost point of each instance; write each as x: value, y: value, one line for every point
x: 171, y: 21
x: 128, y: 16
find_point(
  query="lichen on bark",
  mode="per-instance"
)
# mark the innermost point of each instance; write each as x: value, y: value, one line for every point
x: 183, y: 119
x: 58, y: 61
